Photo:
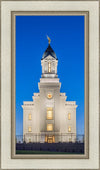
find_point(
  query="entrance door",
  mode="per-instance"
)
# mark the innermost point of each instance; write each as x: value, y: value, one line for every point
x: 50, y: 139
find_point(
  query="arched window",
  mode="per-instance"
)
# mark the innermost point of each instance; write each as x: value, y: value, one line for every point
x: 70, y: 140
x: 49, y: 127
x: 69, y: 116
x: 69, y: 129
x: 29, y: 129
x: 49, y: 113
x: 29, y: 140
x: 29, y: 117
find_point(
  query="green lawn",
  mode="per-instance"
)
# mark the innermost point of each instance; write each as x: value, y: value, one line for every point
x: 41, y: 152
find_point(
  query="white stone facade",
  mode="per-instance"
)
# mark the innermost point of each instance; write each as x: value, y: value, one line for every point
x: 49, y: 117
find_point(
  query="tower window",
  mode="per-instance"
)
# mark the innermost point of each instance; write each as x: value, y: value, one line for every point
x: 49, y: 67
x: 70, y: 140
x: 29, y: 140
x: 49, y: 113
x: 29, y: 129
x: 49, y: 127
x: 69, y: 116
x: 69, y: 129
x: 29, y: 117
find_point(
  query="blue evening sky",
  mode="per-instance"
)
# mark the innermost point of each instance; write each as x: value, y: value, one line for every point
x: 67, y: 40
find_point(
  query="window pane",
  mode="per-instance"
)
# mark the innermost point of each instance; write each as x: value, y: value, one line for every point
x: 70, y: 140
x: 49, y: 113
x: 29, y: 129
x: 69, y: 116
x: 49, y: 109
x: 49, y: 127
x: 29, y: 140
x: 69, y: 129
x: 29, y: 116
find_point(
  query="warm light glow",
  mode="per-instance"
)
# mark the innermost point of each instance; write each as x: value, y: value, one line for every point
x: 49, y: 96
x: 49, y: 127
x: 30, y: 117
x: 70, y: 140
x: 50, y: 139
x: 29, y: 140
x: 49, y: 113
x: 29, y: 129
x: 69, y: 116
x: 49, y: 67
x: 69, y: 129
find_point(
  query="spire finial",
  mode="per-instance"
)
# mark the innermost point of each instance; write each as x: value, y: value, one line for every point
x: 49, y: 40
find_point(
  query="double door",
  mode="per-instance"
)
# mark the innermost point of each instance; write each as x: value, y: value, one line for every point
x: 50, y: 139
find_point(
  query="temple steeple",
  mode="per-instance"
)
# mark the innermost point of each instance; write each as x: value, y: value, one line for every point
x: 49, y: 62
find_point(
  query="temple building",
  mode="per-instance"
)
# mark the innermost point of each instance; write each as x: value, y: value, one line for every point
x: 49, y: 117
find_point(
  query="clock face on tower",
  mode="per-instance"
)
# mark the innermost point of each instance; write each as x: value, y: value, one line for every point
x: 49, y: 95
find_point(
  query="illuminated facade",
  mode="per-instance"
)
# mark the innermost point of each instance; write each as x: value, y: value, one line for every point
x: 49, y: 117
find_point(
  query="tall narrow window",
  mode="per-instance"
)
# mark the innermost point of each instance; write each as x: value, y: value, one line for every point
x: 49, y: 127
x: 29, y: 117
x: 70, y: 140
x: 69, y: 116
x: 69, y: 129
x: 49, y: 67
x: 49, y: 113
x: 29, y: 140
x: 29, y: 129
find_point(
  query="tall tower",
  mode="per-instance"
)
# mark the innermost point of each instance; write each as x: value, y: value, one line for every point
x: 49, y: 87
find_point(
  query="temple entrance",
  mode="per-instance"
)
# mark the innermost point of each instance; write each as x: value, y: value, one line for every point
x: 50, y: 139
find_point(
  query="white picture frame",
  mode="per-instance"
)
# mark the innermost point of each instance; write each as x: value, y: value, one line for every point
x: 7, y: 162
